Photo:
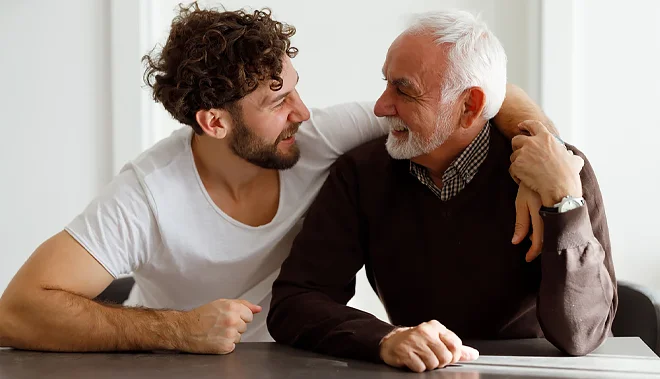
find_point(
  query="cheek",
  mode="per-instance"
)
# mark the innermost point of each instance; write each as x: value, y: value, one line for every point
x: 270, y: 126
x: 279, y: 123
x: 420, y: 120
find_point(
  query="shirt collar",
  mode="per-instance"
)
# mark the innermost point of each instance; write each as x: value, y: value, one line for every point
x: 467, y: 163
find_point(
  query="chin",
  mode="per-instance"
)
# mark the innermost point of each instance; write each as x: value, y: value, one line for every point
x: 288, y: 159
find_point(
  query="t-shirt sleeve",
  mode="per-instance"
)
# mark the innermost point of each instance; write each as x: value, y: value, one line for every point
x: 338, y: 129
x: 118, y: 228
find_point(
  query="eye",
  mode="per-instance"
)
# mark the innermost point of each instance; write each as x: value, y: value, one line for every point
x: 279, y: 105
x: 401, y: 93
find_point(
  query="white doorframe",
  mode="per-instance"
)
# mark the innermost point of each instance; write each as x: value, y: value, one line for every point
x: 131, y: 37
x: 562, y: 66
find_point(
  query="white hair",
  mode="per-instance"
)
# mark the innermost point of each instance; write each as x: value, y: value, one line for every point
x: 476, y: 56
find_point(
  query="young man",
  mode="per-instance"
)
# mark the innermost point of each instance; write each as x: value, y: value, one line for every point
x: 203, y: 219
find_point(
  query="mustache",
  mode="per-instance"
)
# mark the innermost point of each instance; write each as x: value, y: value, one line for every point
x: 291, y: 130
x: 395, y: 121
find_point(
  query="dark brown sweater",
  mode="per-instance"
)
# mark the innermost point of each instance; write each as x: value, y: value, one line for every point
x: 449, y: 261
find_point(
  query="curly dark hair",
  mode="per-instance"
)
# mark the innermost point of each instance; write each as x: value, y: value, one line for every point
x: 214, y: 58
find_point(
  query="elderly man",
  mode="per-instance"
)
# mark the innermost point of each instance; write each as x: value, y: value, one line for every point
x: 427, y: 210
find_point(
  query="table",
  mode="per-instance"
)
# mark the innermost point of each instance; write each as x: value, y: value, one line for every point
x: 621, y: 357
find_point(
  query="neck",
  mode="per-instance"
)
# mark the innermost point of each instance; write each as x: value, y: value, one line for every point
x: 438, y: 160
x: 219, y: 167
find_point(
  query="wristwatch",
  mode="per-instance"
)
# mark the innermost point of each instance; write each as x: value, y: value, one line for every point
x: 566, y: 204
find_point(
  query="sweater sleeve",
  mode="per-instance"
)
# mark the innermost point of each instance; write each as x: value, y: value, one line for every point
x: 578, y: 295
x: 308, y: 308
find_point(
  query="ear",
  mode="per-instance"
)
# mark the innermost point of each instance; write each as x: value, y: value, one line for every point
x: 215, y: 123
x: 474, y: 100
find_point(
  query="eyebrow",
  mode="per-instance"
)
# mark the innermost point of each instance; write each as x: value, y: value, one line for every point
x: 282, y: 95
x: 403, y: 83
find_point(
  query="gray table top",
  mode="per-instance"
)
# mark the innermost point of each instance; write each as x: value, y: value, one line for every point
x: 622, y: 357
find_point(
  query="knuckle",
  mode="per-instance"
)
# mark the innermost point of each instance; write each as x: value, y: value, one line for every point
x: 230, y: 333
x: 410, y: 356
x: 435, y: 324
x: 422, y: 333
x: 446, y: 358
x: 230, y: 320
x: 438, y: 327
x: 450, y: 344
x: 547, y: 137
x: 234, y: 306
x: 458, y: 341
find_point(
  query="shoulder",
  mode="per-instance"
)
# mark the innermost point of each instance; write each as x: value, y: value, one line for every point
x: 368, y: 161
x: 333, y: 131
x: 587, y: 169
x: 125, y: 194
x: 368, y: 154
x: 587, y: 175
x: 352, y: 113
x: 162, y: 154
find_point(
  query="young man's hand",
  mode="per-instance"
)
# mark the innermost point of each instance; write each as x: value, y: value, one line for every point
x: 528, y: 204
x: 543, y: 164
x: 216, y: 328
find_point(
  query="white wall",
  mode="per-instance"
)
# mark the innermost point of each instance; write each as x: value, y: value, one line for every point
x: 622, y: 129
x: 54, y: 118
x: 343, y: 46
x: 611, y: 79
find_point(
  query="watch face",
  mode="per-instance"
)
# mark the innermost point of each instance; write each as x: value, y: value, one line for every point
x: 568, y: 205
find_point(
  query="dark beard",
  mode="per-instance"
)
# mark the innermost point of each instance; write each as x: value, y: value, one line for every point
x: 245, y: 144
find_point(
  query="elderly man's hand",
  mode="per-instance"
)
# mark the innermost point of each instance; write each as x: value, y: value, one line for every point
x: 528, y: 204
x: 544, y: 165
x: 425, y: 347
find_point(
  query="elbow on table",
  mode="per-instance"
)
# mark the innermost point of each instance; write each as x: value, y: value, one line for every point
x: 9, y: 332
x: 276, y: 326
x: 580, y: 342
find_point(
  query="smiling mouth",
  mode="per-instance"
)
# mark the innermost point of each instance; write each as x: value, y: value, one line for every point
x: 288, y: 138
x: 289, y: 135
x: 399, y: 130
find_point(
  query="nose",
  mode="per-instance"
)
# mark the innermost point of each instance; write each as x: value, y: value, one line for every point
x: 384, y: 105
x: 300, y: 112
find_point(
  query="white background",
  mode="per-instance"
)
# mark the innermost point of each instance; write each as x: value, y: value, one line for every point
x: 72, y: 108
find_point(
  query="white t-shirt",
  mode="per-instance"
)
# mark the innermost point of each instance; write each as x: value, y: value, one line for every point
x: 157, y: 221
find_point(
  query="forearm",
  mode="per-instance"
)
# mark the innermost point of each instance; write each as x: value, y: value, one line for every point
x: 516, y: 108
x: 576, y: 299
x: 316, y: 281
x: 313, y: 321
x: 55, y: 320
